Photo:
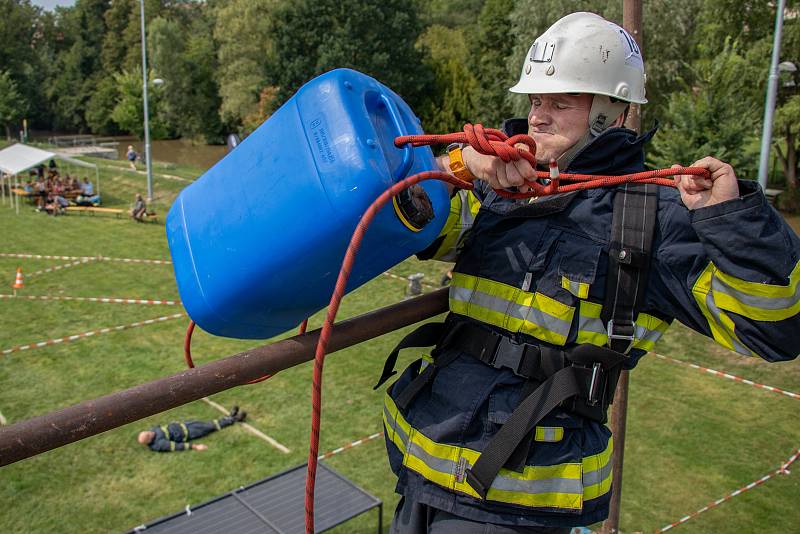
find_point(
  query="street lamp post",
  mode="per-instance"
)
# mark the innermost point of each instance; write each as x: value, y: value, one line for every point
x: 769, y: 107
x: 147, y: 161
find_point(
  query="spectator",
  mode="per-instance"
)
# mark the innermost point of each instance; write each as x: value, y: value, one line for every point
x: 87, y: 188
x: 175, y: 436
x: 40, y: 189
x: 132, y: 155
x: 53, y: 166
x: 139, y: 209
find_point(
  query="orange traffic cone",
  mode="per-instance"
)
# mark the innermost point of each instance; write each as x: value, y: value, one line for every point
x: 18, y: 283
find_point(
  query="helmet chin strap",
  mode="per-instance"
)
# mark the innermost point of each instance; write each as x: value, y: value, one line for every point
x: 603, y: 113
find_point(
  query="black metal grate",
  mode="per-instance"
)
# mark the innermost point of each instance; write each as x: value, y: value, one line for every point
x: 273, y: 505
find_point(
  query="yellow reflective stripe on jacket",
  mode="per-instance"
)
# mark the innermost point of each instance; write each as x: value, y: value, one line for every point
x: 721, y: 326
x: 647, y: 331
x: 185, y: 432
x: 216, y: 424
x: 760, y: 302
x: 549, y: 434
x: 597, y: 471
x: 511, y: 308
x: 464, y: 208
x: 579, y: 289
x: 562, y: 486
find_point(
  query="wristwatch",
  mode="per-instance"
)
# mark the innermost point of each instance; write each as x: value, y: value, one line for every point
x: 456, y: 164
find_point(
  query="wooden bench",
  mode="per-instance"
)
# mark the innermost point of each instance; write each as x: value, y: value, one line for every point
x: 94, y: 209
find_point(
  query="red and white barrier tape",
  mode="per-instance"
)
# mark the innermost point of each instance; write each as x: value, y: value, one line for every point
x: 98, y: 258
x: 782, y: 470
x: 59, y: 267
x: 90, y: 333
x: 112, y: 300
x: 349, y: 446
x: 730, y: 377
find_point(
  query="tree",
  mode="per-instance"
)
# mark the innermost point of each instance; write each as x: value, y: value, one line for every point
x: 717, y: 115
x: 25, y: 51
x: 373, y: 36
x: 246, y: 48
x: 451, y: 98
x: 78, y: 67
x: 11, y: 103
x: 128, y: 112
x: 489, y: 64
x: 787, y: 126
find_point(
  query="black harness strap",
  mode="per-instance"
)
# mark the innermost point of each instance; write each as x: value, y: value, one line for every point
x: 426, y: 335
x: 553, y: 391
x: 632, y: 230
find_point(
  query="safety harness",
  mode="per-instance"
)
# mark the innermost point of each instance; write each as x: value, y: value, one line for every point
x: 581, y: 379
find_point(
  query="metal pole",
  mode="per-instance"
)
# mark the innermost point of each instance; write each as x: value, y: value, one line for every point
x: 769, y: 107
x: 55, y: 429
x: 632, y: 22
x: 148, y: 165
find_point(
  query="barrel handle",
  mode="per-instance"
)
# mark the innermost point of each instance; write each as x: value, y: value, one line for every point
x: 408, y: 152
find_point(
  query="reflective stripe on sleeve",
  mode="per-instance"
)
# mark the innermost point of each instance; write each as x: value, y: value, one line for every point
x: 562, y: 486
x: 185, y: 432
x: 760, y: 302
x: 721, y: 326
x: 216, y: 424
x: 464, y: 208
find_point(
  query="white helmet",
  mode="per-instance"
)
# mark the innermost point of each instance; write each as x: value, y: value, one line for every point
x: 585, y: 53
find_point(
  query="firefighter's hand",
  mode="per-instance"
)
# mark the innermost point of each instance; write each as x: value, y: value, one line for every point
x: 698, y: 192
x: 496, y: 172
x: 199, y: 447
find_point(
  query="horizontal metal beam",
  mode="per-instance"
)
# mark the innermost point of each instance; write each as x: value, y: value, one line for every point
x: 55, y: 429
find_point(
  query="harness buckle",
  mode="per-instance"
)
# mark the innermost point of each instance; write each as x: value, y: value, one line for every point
x: 594, y: 385
x: 614, y: 336
x: 509, y: 354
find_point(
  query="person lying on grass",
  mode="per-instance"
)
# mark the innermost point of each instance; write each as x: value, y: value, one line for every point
x: 176, y: 436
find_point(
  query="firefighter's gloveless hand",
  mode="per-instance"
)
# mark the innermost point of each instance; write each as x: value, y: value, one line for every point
x: 494, y: 171
x: 697, y: 192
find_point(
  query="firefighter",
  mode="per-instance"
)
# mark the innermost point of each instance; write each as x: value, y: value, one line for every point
x: 504, y: 424
x: 176, y: 436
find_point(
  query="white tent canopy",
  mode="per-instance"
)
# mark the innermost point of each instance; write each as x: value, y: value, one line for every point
x: 20, y: 158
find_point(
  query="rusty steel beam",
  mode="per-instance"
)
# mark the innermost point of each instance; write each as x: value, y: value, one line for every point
x: 55, y: 429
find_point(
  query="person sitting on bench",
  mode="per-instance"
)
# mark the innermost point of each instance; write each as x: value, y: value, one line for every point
x: 176, y: 436
x: 139, y: 210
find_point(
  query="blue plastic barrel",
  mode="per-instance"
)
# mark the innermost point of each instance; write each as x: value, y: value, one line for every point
x: 258, y: 240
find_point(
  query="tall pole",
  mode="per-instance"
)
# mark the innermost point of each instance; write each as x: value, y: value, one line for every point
x: 147, y: 158
x: 772, y: 90
x: 632, y: 22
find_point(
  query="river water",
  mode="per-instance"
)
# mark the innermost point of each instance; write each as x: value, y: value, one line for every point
x: 177, y: 151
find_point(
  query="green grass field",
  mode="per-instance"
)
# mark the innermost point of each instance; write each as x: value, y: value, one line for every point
x: 692, y: 437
